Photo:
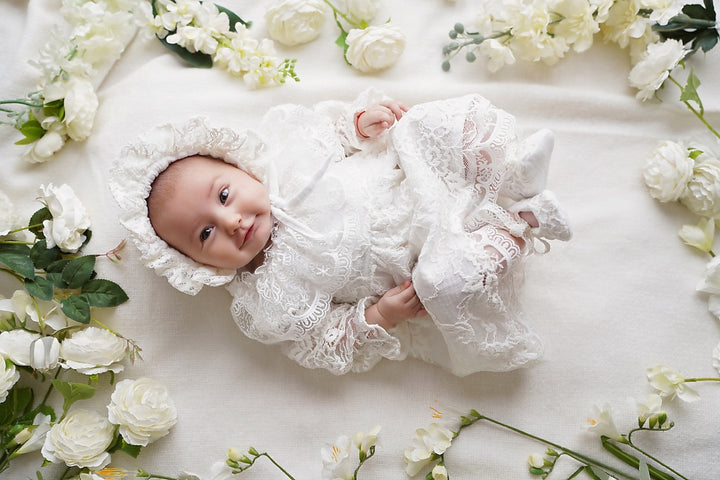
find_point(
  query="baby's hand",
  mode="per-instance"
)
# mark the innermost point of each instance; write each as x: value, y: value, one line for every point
x: 395, y: 306
x: 379, y: 117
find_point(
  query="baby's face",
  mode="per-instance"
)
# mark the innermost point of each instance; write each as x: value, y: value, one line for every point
x: 217, y: 214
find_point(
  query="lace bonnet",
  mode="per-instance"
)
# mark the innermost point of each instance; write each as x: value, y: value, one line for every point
x: 141, y: 162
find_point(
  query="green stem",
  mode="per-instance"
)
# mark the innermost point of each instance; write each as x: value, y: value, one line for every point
x: 704, y: 379
x: 571, y: 453
x: 670, y: 469
x: 15, y: 242
x: 699, y: 115
x: 712, y: 254
x: 20, y: 102
x: 265, y: 454
x: 337, y: 13
x: 10, y: 272
x: 160, y: 477
x: 37, y: 225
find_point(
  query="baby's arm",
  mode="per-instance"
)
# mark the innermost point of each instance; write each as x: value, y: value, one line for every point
x: 377, y: 118
x: 395, y: 306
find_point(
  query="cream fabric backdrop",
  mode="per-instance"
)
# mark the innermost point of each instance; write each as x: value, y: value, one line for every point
x: 618, y: 298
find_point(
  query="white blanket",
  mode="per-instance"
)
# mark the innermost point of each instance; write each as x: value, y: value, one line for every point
x: 620, y: 297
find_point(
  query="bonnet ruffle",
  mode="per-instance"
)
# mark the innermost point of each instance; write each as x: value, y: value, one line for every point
x: 141, y: 162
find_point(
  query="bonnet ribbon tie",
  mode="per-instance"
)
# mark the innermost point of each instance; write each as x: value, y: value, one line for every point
x: 279, y: 205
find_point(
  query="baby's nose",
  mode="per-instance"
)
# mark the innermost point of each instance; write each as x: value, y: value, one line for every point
x: 232, y: 223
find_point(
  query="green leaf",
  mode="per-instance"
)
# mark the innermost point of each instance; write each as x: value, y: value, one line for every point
x: 15, y: 248
x: 17, y: 403
x: 32, y: 131
x: 57, y: 266
x: 689, y: 92
x: 77, y: 308
x: 42, y: 256
x: 78, y: 271
x: 696, y: 11
x: 56, y: 108
x: 234, y: 18
x: 72, y: 392
x: 104, y: 293
x: 632, y: 460
x: 37, y: 219
x: 18, y: 263
x: 706, y: 40
x: 194, y: 59
x: 121, y: 445
x: 40, y: 288
x: 537, y: 471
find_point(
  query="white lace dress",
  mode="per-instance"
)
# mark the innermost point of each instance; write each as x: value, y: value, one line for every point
x: 357, y: 217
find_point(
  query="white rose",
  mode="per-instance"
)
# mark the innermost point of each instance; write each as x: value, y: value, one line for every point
x: 44, y: 148
x: 8, y: 377
x: 655, y: 65
x: 362, y: 9
x: 702, y: 195
x: 80, y: 439
x: 143, y: 410
x: 292, y: 22
x: 81, y: 103
x: 8, y: 219
x: 668, y: 171
x: 374, y: 48
x: 70, y: 219
x: 93, y: 350
x: 15, y: 345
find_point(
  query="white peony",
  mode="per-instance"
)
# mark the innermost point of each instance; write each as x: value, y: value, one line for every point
x: 702, y: 195
x: 69, y: 218
x: 374, y: 48
x: 427, y: 442
x: 655, y: 66
x: 669, y: 383
x: 44, y: 353
x: 15, y: 345
x: 81, y: 439
x: 93, y: 350
x: 8, y: 218
x: 362, y: 9
x: 293, y: 22
x: 143, y: 410
x: 667, y: 171
x: 8, y: 377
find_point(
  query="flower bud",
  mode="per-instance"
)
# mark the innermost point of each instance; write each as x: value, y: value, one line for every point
x: 44, y: 353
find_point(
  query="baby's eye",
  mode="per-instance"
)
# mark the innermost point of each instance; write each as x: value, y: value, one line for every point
x: 205, y: 233
x: 224, y: 194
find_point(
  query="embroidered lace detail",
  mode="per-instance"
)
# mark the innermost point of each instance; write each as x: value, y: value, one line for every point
x: 136, y: 169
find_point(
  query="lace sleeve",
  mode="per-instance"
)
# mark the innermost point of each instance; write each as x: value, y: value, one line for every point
x: 323, y: 334
x: 342, y: 115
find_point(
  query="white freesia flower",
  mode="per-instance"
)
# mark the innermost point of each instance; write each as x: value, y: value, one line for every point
x: 669, y: 383
x: 716, y: 358
x: 15, y: 345
x: 439, y: 472
x: 668, y: 170
x: 69, y: 218
x: 44, y: 353
x: 602, y: 423
x: 8, y: 217
x: 702, y: 195
x: 364, y: 441
x: 93, y: 350
x: 536, y: 460
x: 38, y: 430
x: 338, y: 463
x: 293, y: 22
x: 374, y: 48
x: 143, y: 409
x: 427, y: 444
x: 651, y: 405
x: 8, y: 377
x: 700, y: 236
x: 81, y: 439
x: 362, y: 9
x: 655, y: 66
x: 23, y: 306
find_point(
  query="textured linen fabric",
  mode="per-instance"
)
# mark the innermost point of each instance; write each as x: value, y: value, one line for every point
x: 618, y: 298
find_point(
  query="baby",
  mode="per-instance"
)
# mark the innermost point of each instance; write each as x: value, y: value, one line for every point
x: 353, y: 232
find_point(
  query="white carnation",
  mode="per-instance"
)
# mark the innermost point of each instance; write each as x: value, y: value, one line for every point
x: 93, y: 350
x: 70, y: 219
x: 293, y: 22
x: 655, y: 66
x: 702, y: 195
x: 81, y: 439
x: 667, y: 171
x: 143, y: 410
x: 8, y: 377
x: 374, y: 48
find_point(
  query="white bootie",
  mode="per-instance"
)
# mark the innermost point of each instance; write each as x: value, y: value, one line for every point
x: 527, y: 174
x: 553, y: 223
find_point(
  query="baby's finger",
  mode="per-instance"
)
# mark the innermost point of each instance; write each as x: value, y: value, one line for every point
x: 397, y: 109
